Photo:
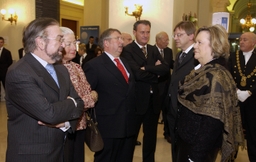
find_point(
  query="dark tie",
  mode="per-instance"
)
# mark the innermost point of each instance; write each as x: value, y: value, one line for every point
x: 121, y: 68
x: 162, y: 53
x: 182, y: 56
x: 51, y: 71
x: 144, y: 51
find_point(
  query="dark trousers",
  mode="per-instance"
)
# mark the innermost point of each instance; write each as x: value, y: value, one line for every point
x: 149, y: 123
x: 248, y: 114
x: 2, y: 79
x: 116, y: 150
x: 74, y: 149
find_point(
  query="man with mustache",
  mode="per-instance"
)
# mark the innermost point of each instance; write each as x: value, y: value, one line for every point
x: 42, y: 104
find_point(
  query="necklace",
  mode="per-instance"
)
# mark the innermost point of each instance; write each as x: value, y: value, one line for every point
x: 243, y: 77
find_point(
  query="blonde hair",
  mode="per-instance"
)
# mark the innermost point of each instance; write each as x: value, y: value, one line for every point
x: 82, y: 47
x: 218, y: 38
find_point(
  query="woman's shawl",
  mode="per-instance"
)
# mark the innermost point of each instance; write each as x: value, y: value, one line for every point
x: 211, y: 91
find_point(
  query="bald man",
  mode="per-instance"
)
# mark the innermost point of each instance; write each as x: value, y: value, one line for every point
x: 127, y: 38
x: 161, y: 47
x: 243, y: 69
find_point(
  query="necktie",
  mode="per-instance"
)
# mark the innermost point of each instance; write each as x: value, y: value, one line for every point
x: 182, y: 56
x: 121, y: 68
x: 144, y: 51
x: 162, y: 53
x: 51, y: 71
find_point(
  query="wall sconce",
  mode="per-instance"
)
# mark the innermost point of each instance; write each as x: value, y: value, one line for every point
x: 136, y: 13
x: 13, y: 17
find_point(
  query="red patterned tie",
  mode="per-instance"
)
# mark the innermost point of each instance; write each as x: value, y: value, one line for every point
x: 121, y: 68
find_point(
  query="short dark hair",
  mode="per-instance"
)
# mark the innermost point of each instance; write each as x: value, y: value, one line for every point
x: 36, y: 28
x: 187, y: 26
x: 145, y: 22
x: 1, y: 38
x: 105, y: 35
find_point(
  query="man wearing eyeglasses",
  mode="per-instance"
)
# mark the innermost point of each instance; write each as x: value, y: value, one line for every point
x: 42, y: 104
x: 147, y: 65
x: 111, y: 76
x: 184, y: 33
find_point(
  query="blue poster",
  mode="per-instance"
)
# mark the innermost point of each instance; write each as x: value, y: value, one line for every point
x: 87, y: 31
x: 224, y: 22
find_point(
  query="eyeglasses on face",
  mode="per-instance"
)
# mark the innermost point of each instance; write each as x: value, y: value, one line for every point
x: 178, y: 35
x: 58, y: 38
x: 116, y: 38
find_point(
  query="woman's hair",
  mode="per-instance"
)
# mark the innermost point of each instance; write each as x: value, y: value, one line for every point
x: 66, y: 30
x: 97, y: 50
x: 82, y: 47
x: 218, y: 38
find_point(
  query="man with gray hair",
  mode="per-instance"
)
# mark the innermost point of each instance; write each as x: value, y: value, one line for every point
x: 41, y: 102
x: 111, y: 76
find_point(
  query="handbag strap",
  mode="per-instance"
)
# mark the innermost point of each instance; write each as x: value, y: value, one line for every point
x: 92, y: 114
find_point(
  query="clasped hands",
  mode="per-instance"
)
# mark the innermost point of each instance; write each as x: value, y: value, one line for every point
x: 243, y: 95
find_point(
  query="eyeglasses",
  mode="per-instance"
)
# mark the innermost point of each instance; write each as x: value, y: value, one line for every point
x: 58, y: 38
x: 117, y: 38
x: 68, y: 44
x: 178, y: 35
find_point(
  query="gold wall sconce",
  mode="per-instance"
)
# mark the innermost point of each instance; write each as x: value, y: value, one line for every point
x: 13, y: 16
x: 136, y: 13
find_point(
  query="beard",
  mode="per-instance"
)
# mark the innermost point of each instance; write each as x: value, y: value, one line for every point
x: 55, y: 56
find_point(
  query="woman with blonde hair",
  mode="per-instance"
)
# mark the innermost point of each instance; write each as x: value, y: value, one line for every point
x: 209, y: 117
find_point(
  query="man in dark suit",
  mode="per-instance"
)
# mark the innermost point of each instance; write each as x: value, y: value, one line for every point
x: 243, y: 69
x: 162, y: 41
x: 184, y: 33
x: 147, y: 66
x: 5, y: 61
x: 21, y: 52
x: 90, y: 46
x: 115, y: 109
x: 42, y: 104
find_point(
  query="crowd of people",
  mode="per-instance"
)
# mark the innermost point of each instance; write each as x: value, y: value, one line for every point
x: 205, y: 93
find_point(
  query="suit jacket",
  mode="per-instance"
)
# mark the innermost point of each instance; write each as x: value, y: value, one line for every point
x: 5, y: 61
x: 178, y: 74
x: 92, y: 49
x: 168, y: 58
x: 21, y: 52
x: 250, y: 82
x: 31, y: 96
x: 115, y: 109
x: 145, y: 79
x: 87, y: 58
x: 164, y: 81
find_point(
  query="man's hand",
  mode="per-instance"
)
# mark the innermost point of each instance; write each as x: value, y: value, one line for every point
x: 158, y: 62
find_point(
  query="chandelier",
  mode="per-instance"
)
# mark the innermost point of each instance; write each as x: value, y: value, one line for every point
x: 248, y: 22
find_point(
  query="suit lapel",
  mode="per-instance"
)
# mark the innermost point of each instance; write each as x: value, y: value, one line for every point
x: 41, y: 71
x: 138, y: 51
x: 111, y: 67
x: 190, y: 55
